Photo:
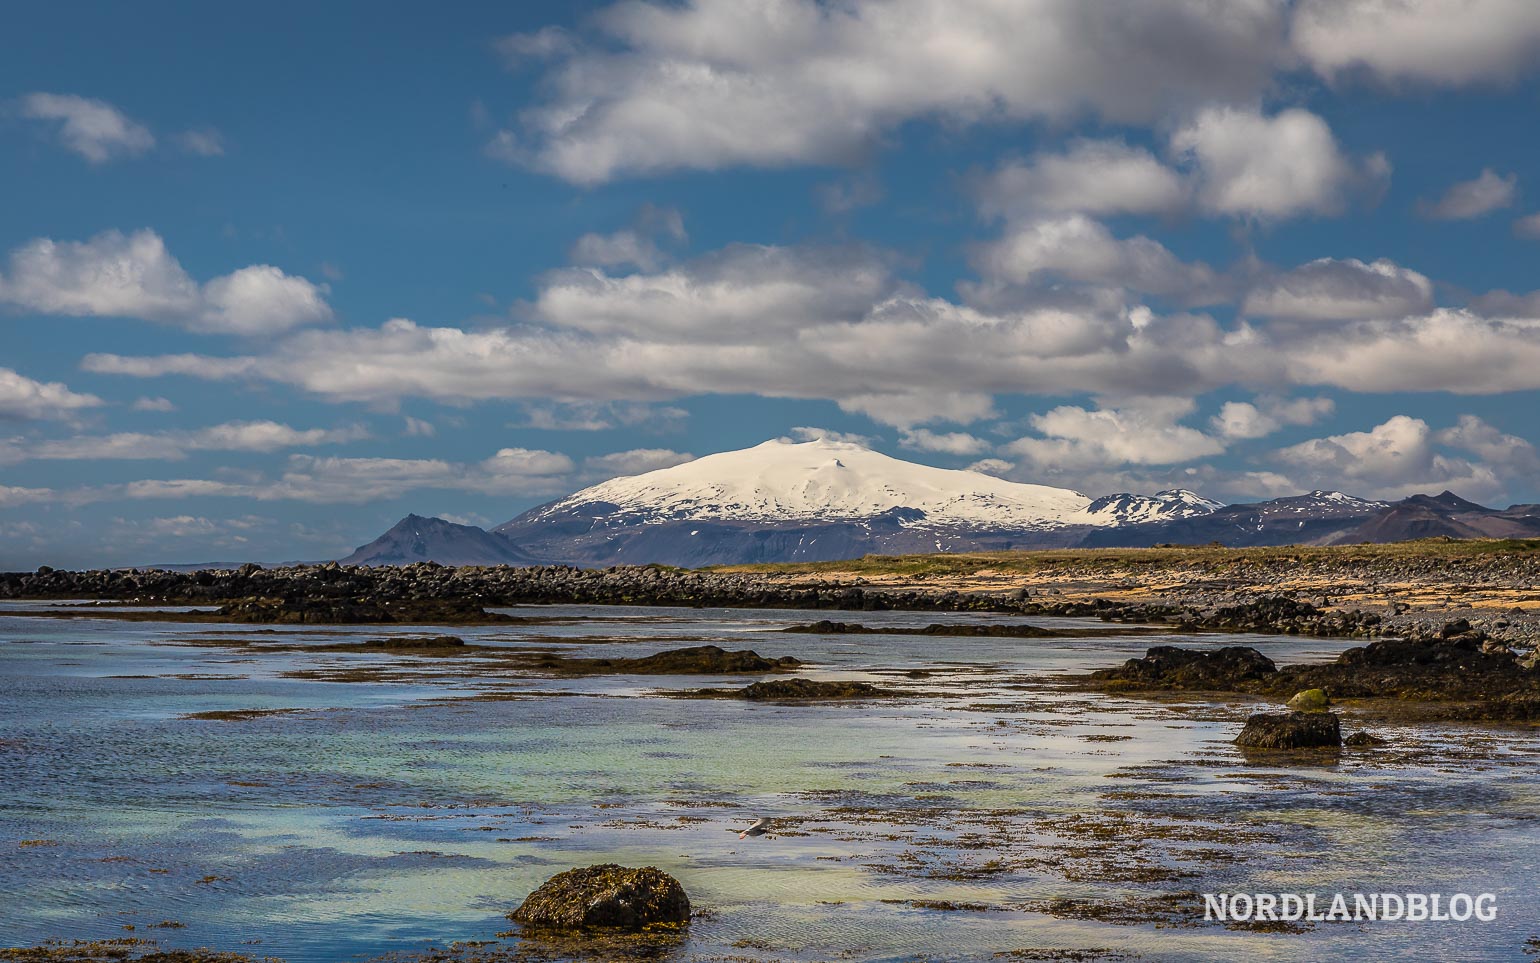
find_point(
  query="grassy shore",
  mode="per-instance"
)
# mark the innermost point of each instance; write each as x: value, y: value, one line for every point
x: 1115, y: 559
x: 1431, y: 578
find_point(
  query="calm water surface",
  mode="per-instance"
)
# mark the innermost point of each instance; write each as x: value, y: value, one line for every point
x: 394, y: 815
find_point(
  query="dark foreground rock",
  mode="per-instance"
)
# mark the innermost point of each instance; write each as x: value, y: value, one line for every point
x: 830, y: 627
x: 801, y: 689
x: 1452, y: 673
x: 694, y: 660
x: 1297, y: 730
x: 326, y: 610
x: 608, y: 896
x: 1170, y: 667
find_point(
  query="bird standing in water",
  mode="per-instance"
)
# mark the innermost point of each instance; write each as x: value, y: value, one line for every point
x: 759, y: 828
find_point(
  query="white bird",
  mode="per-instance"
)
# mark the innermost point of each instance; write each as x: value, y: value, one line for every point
x: 759, y: 828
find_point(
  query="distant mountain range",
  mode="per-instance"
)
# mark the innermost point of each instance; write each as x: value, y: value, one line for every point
x: 825, y: 500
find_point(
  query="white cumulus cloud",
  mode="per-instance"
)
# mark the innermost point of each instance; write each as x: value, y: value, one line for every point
x: 1446, y: 42
x: 1328, y: 289
x: 135, y: 276
x: 1487, y: 192
x: 26, y: 398
x: 1090, y: 176
x: 1402, y: 457
x: 1269, y: 167
x: 709, y: 84
x: 94, y: 129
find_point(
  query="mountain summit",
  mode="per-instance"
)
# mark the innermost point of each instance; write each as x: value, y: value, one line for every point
x: 822, y: 480
x: 419, y: 539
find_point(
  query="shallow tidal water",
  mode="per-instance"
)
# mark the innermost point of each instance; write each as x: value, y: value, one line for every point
x: 992, y: 815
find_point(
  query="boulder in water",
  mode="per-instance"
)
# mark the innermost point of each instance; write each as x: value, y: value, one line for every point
x: 607, y: 896
x: 1297, y: 730
x: 1310, y: 700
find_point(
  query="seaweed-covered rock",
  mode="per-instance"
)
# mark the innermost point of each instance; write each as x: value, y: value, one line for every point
x: 1364, y: 740
x: 261, y: 611
x: 328, y: 610
x: 1171, y: 667
x: 607, y: 896
x: 776, y: 689
x: 1310, y: 700
x: 416, y: 642
x: 1297, y: 730
x: 981, y: 630
x: 694, y: 660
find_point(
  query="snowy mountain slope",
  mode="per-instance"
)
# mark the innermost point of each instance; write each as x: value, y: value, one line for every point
x: 1316, y: 518
x: 1129, y: 509
x: 824, y: 480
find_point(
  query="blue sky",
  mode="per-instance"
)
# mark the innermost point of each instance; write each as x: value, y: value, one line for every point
x: 270, y: 282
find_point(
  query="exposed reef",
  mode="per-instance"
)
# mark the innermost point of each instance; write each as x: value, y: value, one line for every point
x: 1456, y: 673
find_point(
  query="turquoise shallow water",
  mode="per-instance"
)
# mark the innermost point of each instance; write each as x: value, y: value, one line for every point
x: 388, y: 816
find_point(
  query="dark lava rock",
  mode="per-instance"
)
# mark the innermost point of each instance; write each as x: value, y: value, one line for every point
x: 408, y: 643
x: 998, y: 631
x: 695, y: 660
x: 1430, y: 669
x: 327, y: 610
x: 1171, y: 667
x: 1453, y: 675
x: 1364, y: 740
x: 1297, y: 730
x: 259, y: 611
x: 608, y: 896
x: 776, y: 689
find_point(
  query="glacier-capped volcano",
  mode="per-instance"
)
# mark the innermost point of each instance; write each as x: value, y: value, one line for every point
x: 822, y: 480
x: 817, y: 500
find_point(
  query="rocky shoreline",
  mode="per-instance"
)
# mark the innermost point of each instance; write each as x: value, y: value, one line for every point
x: 1242, y: 597
x: 1414, y: 656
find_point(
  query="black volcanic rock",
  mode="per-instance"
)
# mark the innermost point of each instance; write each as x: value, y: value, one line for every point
x: 695, y: 660
x: 419, y: 539
x: 1297, y: 730
x: 1169, y: 667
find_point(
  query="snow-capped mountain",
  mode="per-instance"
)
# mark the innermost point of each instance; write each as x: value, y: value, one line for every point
x: 1129, y: 509
x: 828, y: 500
x: 817, y: 500
x: 782, y: 481
x: 1316, y: 518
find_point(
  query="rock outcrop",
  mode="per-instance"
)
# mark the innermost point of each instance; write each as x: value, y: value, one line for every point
x: 1170, y: 667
